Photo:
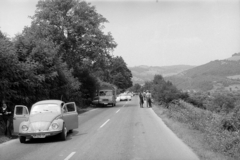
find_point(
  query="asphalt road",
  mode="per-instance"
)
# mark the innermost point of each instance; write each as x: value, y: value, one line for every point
x: 123, y: 132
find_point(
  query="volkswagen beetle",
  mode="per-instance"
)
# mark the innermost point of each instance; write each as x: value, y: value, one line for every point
x: 46, y: 118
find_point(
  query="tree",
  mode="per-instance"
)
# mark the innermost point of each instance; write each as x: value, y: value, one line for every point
x: 136, y: 88
x: 8, y: 68
x: 119, y: 73
x: 77, y: 28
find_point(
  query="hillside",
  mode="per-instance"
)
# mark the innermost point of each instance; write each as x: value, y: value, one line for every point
x: 218, y: 74
x: 146, y: 73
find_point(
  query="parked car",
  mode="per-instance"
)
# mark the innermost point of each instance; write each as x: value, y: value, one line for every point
x: 107, y: 95
x: 125, y: 97
x: 46, y: 118
x: 95, y: 100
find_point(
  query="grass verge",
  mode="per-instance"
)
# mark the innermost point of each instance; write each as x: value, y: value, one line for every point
x: 194, y: 138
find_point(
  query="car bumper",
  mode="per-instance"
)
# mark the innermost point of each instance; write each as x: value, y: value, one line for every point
x: 41, y: 134
x: 106, y: 103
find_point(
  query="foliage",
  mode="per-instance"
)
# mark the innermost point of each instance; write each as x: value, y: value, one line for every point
x: 216, y: 135
x: 163, y: 91
x: 135, y: 88
x: 9, y: 68
x: 64, y: 54
x: 120, y: 75
x: 61, y: 55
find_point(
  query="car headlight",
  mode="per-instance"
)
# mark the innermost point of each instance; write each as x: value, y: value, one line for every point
x: 24, y: 128
x: 54, y: 126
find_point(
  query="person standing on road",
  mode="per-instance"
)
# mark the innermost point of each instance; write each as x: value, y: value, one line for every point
x: 149, y: 99
x: 141, y: 99
x: 144, y: 95
x: 6, y: 114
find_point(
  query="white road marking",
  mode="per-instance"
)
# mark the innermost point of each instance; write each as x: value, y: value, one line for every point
x: 118, y: 111
x: 124, y: 104
x: 104, y: 123
x: 69, y: 156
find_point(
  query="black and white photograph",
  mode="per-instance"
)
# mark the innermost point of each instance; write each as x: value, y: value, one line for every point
x: 119, y: 79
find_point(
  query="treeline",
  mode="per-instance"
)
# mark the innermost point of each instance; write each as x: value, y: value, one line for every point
x: 216, y: 115
x: 64, y: 54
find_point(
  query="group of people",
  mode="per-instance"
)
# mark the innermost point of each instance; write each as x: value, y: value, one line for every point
x: 6, y: 117
x: 145, y: 96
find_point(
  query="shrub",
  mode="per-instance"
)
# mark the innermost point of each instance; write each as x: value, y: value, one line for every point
x: 220, y: 139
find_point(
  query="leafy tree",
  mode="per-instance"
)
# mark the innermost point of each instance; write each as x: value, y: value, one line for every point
x: 136, y: 88
x: 119, y: 73
x: 8, y: 68
x: 77, y: 28
x: 163, y: 91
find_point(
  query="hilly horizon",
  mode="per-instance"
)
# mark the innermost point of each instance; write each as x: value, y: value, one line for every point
x: 215, y: 75
x: 144, y: 73
x: 212, y: 76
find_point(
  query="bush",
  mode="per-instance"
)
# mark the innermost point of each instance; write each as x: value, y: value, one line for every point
x: 217, y: 136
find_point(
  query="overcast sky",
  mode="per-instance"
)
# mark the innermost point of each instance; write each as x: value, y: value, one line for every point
x: 155, y: 32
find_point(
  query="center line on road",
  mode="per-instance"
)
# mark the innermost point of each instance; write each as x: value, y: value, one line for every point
x: 118, y: 111
x: 69, y: 156
x: 104, y: 123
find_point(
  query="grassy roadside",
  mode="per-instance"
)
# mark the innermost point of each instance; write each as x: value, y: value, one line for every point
x: 193, y: 138
x: 3, y: 139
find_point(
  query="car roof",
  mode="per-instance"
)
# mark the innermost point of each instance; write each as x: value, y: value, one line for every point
x: 59, y: 102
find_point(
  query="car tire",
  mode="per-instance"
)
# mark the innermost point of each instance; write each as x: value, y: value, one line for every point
x: 70, y: 131
x: 22, y: 139
x: 63, y: 134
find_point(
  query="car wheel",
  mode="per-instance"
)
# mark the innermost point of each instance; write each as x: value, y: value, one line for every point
x: 22, y: 139
x: 63, y: 134
x: 70, y: 131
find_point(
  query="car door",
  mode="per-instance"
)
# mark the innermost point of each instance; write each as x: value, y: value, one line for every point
x: 70, y: 115
x: 20, y: 114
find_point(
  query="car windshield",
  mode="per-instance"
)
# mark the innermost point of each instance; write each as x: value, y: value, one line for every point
x: 105, y: 93
x: 42, y: 108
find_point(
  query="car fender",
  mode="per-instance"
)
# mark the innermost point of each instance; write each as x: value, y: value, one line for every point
x: 27, y: 123
x: 60, y: 123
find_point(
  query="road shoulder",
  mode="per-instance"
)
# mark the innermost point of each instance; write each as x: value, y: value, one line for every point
x: 192, y: 138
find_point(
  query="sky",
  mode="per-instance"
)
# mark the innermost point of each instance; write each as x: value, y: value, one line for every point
x: 154, y: 32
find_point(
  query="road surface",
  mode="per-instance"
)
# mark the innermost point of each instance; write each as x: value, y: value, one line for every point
x: 123, y: 132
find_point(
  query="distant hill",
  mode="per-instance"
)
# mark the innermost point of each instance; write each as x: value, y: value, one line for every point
x: 146, y: 73
x: 218, y: 74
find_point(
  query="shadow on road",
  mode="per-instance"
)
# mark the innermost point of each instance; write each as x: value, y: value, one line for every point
x: 53, y: 139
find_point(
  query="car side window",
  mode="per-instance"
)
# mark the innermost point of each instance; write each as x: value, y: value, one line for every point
x: 19, y: 110
x: 71, y: 107
x: 64, y: 109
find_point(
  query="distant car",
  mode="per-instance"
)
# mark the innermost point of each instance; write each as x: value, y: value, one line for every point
x: 125, y: 97
x: 95, y: 101
x: 47, y: 118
